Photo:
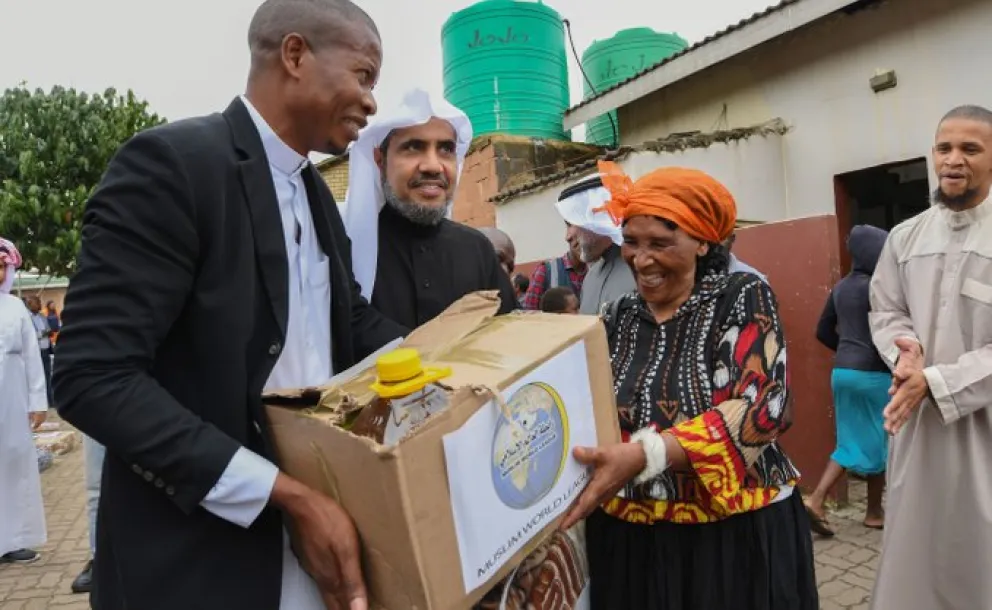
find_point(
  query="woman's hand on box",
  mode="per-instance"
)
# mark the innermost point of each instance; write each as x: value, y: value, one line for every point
x: 613, y: 467
x: 326, y: 543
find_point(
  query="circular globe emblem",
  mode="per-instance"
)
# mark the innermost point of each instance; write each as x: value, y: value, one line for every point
x: 530, y: 445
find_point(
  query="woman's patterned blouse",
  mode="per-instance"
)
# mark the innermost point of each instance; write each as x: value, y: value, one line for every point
x: 714, y: 376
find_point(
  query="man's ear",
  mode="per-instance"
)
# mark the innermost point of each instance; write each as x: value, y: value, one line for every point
x: 380, y: 160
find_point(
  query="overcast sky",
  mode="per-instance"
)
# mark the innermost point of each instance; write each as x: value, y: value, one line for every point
x: 190, y: 57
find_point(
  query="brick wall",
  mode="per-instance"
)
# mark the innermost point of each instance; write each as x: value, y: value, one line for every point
x: 478, y: 182
x: 498, y: 162
x: 335, y: 174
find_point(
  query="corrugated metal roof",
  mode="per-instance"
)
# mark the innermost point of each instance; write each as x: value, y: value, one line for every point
x: 711, y: 38
x: 671, y: 143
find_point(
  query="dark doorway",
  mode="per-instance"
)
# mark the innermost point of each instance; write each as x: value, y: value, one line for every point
x: 881, y: 196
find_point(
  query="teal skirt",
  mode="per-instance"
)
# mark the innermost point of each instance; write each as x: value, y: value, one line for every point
x: 859, y: 399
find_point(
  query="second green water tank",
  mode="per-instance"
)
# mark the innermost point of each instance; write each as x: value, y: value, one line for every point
x: 608, y: 62
x: 505, y: 67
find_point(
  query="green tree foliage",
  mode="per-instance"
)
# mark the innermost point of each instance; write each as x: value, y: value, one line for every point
x: 54, y: 148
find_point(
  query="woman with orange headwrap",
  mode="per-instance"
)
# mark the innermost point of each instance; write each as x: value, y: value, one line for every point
x: 697, y: 509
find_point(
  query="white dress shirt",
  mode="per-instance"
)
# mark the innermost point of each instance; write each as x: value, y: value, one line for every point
x: 243, y: 489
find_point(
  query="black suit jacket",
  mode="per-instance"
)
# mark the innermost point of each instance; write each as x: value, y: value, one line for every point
x: 172, y: 325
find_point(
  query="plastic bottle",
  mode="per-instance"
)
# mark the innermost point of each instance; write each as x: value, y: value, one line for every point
x: 406, y: 395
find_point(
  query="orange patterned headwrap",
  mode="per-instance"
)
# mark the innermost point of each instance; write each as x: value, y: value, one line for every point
x: 694, y: 200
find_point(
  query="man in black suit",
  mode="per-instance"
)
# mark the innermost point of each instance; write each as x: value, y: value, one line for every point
x: 214, y: 265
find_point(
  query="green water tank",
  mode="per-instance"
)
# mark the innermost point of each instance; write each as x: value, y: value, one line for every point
x: 608, y: 62
x: 505, y: 67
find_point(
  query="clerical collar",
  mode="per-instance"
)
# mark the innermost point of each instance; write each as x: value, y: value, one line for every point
x: 280, y: 155
x: 389, y: 217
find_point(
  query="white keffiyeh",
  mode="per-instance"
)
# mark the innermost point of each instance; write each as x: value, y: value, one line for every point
x: 365, y: 199
x: 578, y: 209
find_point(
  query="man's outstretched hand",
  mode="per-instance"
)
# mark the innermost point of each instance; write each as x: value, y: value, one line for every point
x: 327, y: 543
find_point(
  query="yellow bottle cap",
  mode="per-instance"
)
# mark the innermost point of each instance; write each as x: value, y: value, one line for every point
x: 400, y: 372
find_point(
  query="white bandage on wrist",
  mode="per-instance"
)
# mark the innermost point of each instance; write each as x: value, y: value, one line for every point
x: 655, y: 454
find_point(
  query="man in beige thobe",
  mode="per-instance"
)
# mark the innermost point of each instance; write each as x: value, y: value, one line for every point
x: 931, y: 298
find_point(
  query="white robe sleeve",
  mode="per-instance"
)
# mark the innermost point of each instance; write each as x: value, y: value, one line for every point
x: 35, y: 371
x: 962, y: 387
x: 33, y: 368
x: 889, y: 317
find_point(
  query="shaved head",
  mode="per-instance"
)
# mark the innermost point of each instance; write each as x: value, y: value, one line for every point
x: 314, y: 64
x: 321, y: 23
x: 971, y: 113
x: 499, y: 239
x: 505, y: 250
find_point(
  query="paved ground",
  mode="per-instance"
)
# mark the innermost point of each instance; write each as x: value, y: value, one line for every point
x: 845, y: 565
x: 45, y: 583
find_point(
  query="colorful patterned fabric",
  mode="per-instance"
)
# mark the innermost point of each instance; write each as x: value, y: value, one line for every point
x: 539, y: 281
x: 553, y: 577
x: 714, y: 376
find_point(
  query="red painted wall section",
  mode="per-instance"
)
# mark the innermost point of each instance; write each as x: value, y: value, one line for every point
x: 802, y: 261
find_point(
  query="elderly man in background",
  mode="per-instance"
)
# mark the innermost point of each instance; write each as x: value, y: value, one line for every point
x: 599, y: 239
x: 410, y: 259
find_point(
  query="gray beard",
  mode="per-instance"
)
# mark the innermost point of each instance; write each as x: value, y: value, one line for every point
x: 588, y: 257
x: 587, y: 251
x: 418, y: 214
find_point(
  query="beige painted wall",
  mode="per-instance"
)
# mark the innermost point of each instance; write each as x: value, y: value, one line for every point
x: 816, y: 79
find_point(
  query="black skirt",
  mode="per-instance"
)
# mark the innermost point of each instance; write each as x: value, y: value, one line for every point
x: 755, y: 561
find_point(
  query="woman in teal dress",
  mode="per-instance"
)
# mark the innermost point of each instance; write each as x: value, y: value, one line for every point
x: 860, y: 383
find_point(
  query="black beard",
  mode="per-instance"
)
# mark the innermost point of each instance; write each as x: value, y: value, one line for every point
x: 957, y: 202
x: 418, y: 214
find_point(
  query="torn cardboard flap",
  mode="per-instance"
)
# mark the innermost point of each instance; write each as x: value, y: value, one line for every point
x: 349, y: 390
x: 464, y: 317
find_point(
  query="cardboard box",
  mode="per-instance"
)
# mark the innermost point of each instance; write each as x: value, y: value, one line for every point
x: 399, y: 497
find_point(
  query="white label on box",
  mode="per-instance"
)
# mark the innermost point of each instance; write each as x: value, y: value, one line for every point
x: 511, y: 473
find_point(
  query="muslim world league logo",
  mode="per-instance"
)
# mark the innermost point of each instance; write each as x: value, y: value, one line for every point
x: 529, y: 446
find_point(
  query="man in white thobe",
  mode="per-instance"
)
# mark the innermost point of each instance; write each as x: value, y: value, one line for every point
x: 931, y: 320
x: 23, y: 405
